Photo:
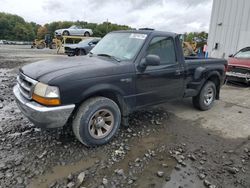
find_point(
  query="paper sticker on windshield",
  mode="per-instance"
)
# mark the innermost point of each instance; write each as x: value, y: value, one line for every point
x: 138, y: 36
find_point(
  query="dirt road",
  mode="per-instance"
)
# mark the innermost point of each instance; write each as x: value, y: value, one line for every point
x: 171, y: 145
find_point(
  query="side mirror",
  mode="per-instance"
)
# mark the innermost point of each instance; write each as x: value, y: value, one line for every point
x: 231, y: 55
x: 151, y: 60
x: 90, y: 43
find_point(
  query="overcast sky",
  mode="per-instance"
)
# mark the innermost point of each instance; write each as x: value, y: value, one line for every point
x: 167, y: 15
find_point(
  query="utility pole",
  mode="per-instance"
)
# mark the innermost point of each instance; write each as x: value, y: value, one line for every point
x: 107, y: 25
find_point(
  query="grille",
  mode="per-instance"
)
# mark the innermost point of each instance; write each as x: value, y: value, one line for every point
x: 240, y: 70
x: 68, y: 49
x: 25, y: 85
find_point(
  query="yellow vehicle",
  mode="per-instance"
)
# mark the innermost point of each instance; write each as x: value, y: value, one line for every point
x: 48, y: 42
x: 189, y: 49
x: 39, y: 44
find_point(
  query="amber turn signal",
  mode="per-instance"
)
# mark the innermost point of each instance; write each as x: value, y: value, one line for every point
x: 46, y: 101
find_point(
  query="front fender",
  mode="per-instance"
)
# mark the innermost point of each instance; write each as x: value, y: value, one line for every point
x: 109, y: 91
x: 101, y: 88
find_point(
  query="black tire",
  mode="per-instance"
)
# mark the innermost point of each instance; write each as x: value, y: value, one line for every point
x: 80, y: 52
x: 41, y: 46
x: 65, y: 33
x: 52, y: 46
x: 202, y: 101
x: 86, y: 116
x: 87, y: 34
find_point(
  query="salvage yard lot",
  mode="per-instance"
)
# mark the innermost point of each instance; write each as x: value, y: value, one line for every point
x: 170, y: 145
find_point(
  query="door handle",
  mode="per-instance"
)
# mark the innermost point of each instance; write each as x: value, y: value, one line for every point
x: 127, y: 80
x: 178, y: 72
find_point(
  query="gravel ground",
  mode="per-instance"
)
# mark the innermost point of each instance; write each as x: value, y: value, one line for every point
x: 171, y: 145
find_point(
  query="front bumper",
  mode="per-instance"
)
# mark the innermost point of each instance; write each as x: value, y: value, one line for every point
x: 57, y: 33
x: 69, y: 51
x: 42, y: 116
x: 239, y: 77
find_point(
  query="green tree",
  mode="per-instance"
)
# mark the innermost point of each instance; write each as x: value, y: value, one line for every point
x: 13, y: 27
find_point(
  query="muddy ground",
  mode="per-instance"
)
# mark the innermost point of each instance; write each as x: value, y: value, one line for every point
x: 171, y: 145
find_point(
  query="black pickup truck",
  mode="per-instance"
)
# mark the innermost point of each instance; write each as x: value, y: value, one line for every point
x: 127, y: 70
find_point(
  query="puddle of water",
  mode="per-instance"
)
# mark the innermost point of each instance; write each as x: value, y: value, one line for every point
x: 142, y: 144
x: 59, y: 172
x: 149, y: 177
x: 185, y: 177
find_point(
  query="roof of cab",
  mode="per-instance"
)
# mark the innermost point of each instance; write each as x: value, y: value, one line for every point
x: 147, y: 31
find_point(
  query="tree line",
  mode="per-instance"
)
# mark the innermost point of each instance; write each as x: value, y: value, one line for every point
x: 14, y: 27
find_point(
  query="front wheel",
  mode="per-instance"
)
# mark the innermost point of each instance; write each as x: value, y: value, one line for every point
x: 65, y: 33
x: 205, y: 99
x: 96, y: 121
x: 41, y: 46
x: 80, y: 52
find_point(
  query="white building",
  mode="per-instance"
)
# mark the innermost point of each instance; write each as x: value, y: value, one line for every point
x: 229, y: 27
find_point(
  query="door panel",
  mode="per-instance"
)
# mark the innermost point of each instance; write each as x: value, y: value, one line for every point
x: 81, y: 31
x: 163, y: 82
x: 72, y: 31
x: 158, y: 85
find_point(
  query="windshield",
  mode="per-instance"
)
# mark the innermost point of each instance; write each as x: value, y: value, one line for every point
x: 74, y: 27
x: 123, y: 46
x: 244, y: 53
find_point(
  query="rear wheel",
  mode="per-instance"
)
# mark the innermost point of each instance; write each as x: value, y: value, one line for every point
x: 87, y: 34
x: 52, y: 46
x: 205, y: 99
x: 97, y: 121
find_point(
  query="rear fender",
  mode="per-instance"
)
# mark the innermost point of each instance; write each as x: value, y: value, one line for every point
x: 213, y: 76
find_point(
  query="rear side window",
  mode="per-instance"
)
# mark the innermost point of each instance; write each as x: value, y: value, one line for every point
x: 164, y: 48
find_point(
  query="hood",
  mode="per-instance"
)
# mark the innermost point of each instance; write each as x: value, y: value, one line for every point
x: 71, y: 45
x: 75, y: 68
x: 239, y: 62
x: 59, y: 30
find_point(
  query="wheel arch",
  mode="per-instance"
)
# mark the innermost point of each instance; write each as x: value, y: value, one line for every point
x: 83, y: 50
x: 86, y: 33
x: 77, y: 51
x: 66, y: 31
x: 109, y: 91
x: 215, y: 78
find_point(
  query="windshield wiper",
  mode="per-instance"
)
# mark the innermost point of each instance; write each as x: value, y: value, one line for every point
x: 110, y: 56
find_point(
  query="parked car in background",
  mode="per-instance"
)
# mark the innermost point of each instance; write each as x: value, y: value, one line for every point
x: 74, y: 30
x: 239, y: 66
x: 3, y: 42
x: 82, y: 48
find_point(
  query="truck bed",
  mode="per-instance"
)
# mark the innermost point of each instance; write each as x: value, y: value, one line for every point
x: 198, y: 69
x: 200, y: 60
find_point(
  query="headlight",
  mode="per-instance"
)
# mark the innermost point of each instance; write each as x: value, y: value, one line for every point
x: 47, y: 95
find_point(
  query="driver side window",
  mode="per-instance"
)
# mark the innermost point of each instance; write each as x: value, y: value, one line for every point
x: 164, y: 48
